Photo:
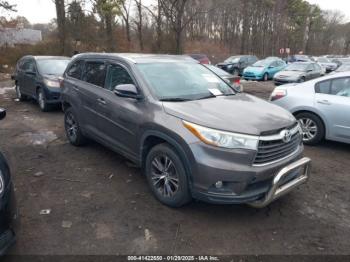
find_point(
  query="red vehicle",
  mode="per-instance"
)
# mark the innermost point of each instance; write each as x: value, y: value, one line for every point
x: 203, y: 59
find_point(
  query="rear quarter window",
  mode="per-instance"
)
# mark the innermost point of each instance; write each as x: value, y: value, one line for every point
x: 323, y: 87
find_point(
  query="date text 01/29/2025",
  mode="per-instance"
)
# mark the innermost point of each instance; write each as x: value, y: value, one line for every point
x: 173, y: 258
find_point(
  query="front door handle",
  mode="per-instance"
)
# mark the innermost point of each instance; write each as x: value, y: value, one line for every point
x: 324, y: 102
x: 102, y: 101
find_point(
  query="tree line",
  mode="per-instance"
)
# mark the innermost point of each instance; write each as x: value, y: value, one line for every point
x: 260, y: 27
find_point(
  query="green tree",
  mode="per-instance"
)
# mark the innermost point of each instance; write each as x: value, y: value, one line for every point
x: 107, y: 11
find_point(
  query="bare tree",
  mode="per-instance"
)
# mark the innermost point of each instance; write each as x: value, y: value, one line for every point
x: 61, y: 24
x: 126, y: 18
x: 139, y: 22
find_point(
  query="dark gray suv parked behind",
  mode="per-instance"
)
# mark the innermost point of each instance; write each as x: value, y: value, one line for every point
x: 37, y: 77
x: 192, y: 134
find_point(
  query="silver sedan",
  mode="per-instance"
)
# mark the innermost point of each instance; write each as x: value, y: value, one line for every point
x: 322, y: 107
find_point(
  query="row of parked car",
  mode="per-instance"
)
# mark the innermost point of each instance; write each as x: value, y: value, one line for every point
x: 187, y: 125
x: 294, y: 69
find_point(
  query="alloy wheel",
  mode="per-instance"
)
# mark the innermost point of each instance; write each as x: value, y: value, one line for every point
x: 164, y: 175
x: 309, y: 128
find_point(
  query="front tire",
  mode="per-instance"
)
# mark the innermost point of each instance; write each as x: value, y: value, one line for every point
x: 235, y: 72
x: 266, y: 77
x: 19, y: 94
x: 313, y: 128
x: 166, y: 176
x: 302, y: 80
x: 72, y: 128
x: 44, y: 106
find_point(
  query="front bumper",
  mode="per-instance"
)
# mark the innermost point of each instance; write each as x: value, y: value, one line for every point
x: 53, y: 95
x: 242, y: 182
x: 279, y: 187
x: 284, y: 81
x: 252, y: 77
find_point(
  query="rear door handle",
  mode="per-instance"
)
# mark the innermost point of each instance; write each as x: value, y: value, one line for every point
x: 102, y: 101
x: 75, y: 88
x: 324, y: 102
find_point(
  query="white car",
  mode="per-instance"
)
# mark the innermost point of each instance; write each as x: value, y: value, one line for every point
x: 322, y: 107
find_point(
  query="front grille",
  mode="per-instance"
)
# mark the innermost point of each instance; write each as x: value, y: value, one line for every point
x: 275, y: 149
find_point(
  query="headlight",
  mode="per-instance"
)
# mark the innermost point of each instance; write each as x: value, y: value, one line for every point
x: 2, y: 184
x: 229, y: 66
x: 223, y: 139
x: 51, y: 83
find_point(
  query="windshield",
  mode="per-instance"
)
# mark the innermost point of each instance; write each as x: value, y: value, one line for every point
x: 52, y: 66
x: 183, y: 81
x: 323, y: 60
x: 233, y: 59
x: 261, y: 63
x: 302, y: 57
x: 296, y: 67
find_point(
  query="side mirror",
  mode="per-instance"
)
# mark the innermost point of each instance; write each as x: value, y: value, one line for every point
x: 2, y: 113
x: 127, y: 90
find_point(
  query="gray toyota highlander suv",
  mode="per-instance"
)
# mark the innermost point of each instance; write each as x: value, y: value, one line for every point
x: 192, y: 134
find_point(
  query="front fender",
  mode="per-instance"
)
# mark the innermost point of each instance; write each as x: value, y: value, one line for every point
x: 175, y: 141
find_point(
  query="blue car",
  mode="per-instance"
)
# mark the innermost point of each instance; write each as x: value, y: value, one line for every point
x: 263, y: 69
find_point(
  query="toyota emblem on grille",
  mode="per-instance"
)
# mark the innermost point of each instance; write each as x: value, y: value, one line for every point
x: 286, y: 136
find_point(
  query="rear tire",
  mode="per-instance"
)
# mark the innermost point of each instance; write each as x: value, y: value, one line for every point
x: 72, y: 128
x: 166, y: 176
x: 313, y: 128
x: 301, y: 80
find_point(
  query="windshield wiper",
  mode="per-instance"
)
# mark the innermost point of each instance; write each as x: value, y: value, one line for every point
x: 174, y: 99
x: 206, y: 97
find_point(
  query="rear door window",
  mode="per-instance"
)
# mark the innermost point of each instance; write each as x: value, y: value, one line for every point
x: 95, y: 73
x: 117, y: 75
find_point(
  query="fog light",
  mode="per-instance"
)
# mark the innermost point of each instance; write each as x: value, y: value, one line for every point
x: 219, y: 184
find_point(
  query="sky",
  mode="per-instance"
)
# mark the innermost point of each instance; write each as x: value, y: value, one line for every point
x: 43, y: 11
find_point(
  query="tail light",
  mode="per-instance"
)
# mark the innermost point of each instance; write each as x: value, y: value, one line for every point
x: 278, y: 94
x: 237, y: 81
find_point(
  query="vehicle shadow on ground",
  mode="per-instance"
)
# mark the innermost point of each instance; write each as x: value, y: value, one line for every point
x: 332, y: 145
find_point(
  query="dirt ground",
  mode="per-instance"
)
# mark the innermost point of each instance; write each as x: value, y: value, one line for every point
x: 100, y: 204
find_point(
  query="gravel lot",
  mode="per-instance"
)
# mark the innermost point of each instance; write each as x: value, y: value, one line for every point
x: 100, y: 204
